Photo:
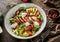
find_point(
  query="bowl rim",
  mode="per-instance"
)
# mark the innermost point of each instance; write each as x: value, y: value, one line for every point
x: 30, y: 36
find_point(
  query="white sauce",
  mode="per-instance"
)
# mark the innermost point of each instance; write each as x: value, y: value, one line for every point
x: 24, y: 14
x: 27, y: 23
x: 36, y: 24
x: 14, y: 25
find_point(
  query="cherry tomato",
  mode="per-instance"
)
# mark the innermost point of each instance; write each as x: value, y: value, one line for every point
x: 32, y: 25
x: 29, y: 32
x: 39, y: 21
x: 17, y: 12
x: 25, y: 1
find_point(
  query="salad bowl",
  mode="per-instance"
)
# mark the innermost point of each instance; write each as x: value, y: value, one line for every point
x: 11, y: 13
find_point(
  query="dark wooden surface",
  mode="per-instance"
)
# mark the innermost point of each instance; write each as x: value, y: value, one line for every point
x: 5, y: 37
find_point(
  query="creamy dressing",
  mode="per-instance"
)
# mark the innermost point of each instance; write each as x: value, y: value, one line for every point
x: 27, y: 23
x: 36, y: 24
x: 14, y: 25
x: 24, y: 14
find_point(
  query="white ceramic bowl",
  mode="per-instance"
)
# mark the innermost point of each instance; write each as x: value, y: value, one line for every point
x: 11, y: 13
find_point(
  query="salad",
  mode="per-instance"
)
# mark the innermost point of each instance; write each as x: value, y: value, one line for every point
x: 26, y: 21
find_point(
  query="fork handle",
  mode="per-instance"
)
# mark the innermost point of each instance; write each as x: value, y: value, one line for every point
x: 45, y: 34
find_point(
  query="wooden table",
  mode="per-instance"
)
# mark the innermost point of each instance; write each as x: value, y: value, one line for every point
x: 5, y: 37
